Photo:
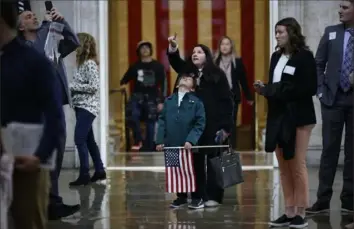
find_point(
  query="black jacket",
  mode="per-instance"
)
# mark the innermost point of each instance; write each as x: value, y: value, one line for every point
x: 214, y: 91
x: 238, y: 75
x: 290, y: 103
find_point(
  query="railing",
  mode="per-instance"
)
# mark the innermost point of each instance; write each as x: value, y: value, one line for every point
x: 117, y: 124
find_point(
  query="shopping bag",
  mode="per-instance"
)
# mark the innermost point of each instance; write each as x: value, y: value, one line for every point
x: 227, y: 168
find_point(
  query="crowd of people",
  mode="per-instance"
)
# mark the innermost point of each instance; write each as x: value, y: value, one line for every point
x: 206, y: 97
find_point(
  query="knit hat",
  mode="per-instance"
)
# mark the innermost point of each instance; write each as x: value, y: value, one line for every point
x: 140, y: 44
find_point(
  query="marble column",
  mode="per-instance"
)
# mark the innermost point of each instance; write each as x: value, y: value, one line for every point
x: 313, y: 16
x: 83, y: 16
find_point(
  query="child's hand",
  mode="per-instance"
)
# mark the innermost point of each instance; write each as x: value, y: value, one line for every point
x: 187, y: 145
x: 159, y: 147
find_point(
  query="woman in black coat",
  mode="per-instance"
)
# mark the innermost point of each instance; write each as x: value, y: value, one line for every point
x: 226, y: 59
x: 213, y: 89
x: 291, y: 117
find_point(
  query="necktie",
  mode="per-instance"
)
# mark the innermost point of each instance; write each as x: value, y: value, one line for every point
x: 348, y: 66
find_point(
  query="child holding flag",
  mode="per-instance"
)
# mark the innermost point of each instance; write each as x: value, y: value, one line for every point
x: 180, y: 125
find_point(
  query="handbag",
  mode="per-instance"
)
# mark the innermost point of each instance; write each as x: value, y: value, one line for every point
x: 227, y: 168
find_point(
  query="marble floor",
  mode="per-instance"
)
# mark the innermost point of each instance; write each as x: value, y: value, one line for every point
x: 133, y: 197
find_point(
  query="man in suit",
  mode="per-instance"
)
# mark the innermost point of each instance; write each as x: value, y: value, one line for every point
x: 35, y: 35
x: 334, y: 69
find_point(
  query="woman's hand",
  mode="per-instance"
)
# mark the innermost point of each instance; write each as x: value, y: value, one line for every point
x: 172, y: 40
x: 258, y: 85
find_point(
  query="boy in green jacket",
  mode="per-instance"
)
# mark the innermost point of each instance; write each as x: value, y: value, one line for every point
x: 181, y: 122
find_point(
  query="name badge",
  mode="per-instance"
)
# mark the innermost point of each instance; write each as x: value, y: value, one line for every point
x: 289, y: 70
x: 332, y: 35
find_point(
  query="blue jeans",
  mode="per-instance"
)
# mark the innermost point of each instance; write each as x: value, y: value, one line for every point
x: 85, y: 142
x: 150, y: 127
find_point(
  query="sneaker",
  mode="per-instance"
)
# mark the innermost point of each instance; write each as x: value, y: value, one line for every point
x: 196, y: 204
x: 211, y: 204
x: 282, y: 221
x: 318, y: 208
x: 179, y: 202
x: 298, y: 222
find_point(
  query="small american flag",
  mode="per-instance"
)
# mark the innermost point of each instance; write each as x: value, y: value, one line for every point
x: 180, y: 175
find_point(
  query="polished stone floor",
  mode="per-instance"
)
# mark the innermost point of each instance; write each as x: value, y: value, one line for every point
x: 134, y: 198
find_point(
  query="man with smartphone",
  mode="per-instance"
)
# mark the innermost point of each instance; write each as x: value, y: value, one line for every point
x: 35, y: 35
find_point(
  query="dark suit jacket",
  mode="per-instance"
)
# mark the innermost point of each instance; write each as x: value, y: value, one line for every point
x: 290, y: 103
x: 238, y: 75
x: 214, y: 91
x: 329, y: 58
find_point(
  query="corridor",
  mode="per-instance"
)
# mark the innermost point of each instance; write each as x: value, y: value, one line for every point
x: 134, y: 198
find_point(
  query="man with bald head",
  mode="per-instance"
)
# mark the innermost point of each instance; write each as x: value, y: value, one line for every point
x: 35, y: 34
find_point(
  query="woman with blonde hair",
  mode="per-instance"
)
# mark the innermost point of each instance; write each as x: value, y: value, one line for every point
x: 226, y: 58
x: 86, y: 102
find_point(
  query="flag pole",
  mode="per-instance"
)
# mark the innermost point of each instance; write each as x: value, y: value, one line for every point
x: 199, y: 147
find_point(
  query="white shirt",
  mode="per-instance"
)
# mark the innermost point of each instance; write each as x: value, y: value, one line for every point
x: 180, y: 97
x: 278, y: 71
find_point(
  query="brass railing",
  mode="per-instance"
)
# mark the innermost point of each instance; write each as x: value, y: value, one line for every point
x: 117, y: 124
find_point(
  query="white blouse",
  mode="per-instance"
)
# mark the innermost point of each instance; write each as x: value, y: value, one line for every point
x: 85, y: 87
x: 278, y: 71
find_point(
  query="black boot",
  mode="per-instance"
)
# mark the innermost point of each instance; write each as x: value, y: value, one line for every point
x: 82, y: 180
x: 98, y: 176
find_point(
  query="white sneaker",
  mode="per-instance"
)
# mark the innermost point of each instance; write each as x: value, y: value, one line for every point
x: 211, y: 204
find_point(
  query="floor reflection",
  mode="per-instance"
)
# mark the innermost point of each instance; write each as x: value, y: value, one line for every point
x: 137, y: 199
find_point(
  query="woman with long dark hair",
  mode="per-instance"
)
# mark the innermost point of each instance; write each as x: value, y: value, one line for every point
x: 214, y: 91
x: 291, y: 116
x: 226, y: 58
x: 86, y: 102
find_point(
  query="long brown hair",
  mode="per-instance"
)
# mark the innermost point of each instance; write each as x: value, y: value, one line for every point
x: 296, y: 40
x: 218, y: 53
x: 86, y: 50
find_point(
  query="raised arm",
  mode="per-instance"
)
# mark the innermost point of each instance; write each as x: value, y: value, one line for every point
x: 321, y: 61
x: 70, y: 42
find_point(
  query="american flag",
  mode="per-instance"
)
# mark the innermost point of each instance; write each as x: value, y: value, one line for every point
x: 180, y: 176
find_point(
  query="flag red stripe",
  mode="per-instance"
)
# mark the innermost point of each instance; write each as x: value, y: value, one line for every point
x: 183, y: 174
x: 162, y: 25
x: 190, y: 14
x: 218, y: 21
x: 134, y: 31
x: 247, y: 48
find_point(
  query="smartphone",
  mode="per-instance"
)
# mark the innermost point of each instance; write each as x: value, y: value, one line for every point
x: 48, y: 5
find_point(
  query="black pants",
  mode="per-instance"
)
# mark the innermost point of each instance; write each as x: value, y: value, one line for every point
x: 199, y: 170
x: 54, y: 198
x: 206, y: 187
x: 233, y: 136
x: 334, y: 119
x: 85, y: 142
